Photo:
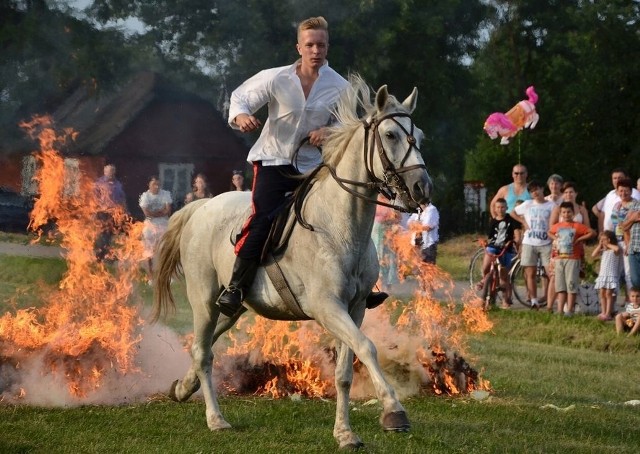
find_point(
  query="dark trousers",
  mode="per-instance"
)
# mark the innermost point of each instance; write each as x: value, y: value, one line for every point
x: 270, y: 185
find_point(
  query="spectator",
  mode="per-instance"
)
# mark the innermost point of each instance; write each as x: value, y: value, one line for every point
x: 512, y: 192
x: 424, y: 226
x: 111, y: 198
x: 569, y: 238
x: 603, y: 208
x: 570, y: 194
x: 156, y: 206
x: 630, y: 318
x: 199, y: 189
x: 237, y: 181
x: 385, y: 225
x: 504, y: 232
x: 534, y: 216
x: 631, y: 226
x: 554, y: 183
x: 618, y: 214
x: 609, y: 275
x: 581, y: 215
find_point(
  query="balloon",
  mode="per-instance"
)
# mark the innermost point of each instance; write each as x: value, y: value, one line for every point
x: 522, y: 115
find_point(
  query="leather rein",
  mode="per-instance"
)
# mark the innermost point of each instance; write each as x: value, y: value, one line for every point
x: 391, y: 175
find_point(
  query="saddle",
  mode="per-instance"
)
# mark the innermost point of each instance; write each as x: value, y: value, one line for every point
x: 285, y: 218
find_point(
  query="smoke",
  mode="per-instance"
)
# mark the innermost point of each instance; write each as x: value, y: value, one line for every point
x: 160, y: 359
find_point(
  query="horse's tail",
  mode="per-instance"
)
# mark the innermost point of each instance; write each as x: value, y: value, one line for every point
x: 531, y: 93
x: 168, y: 261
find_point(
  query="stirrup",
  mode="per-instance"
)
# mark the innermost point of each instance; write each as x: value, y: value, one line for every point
x: 230, y: 301
x: 375, y: 299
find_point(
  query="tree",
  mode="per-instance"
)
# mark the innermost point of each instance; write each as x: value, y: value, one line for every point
x: 576, y: 53
x: 46, y: 54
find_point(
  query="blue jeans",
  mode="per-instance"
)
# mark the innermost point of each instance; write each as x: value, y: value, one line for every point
x: 634, y: 268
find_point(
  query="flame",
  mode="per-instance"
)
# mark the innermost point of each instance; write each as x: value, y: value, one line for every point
x: 88, y: 328
x: 86, y: 325
x: 420, y: 343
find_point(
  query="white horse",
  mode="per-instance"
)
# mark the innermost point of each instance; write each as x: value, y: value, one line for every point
x: 330, y: 268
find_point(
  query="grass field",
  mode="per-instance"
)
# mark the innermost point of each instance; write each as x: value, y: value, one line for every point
x: 558, y: 385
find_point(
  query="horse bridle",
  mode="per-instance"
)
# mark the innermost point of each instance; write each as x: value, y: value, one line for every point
x: 391, y: 175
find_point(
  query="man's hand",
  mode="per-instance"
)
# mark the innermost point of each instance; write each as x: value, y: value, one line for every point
x: 247, y: 123
x: 316, y: 137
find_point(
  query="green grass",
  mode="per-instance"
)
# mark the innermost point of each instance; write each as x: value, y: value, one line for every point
x: 23, y: 278
x: 531, y: 358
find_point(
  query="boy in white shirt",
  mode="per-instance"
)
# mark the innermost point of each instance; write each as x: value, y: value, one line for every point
x: 534, y: 216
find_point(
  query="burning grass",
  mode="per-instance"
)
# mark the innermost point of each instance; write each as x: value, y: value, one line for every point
x: 88, y: 336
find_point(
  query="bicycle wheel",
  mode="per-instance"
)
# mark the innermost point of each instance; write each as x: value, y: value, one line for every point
x: 519, y: 284
x: 475, y: 269
x: 489, y: 291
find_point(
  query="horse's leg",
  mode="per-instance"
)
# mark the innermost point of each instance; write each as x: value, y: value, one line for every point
x: 201, y: 292
x: 340, y: 324
x: 342, y: 431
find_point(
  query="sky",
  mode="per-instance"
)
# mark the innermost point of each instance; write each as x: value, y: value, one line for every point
x: 131, y: 25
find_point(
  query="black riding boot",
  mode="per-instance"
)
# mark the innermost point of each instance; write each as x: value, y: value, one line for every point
x: 375, y: 299
x: 230, y: 301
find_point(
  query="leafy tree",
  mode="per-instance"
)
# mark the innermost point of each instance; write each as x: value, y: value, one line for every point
x: 576, y: 53
x: 46, y: 54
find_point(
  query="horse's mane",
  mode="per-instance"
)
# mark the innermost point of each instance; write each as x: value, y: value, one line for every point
x: 355, y: 100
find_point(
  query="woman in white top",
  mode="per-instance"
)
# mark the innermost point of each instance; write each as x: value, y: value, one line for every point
x: 156, y: 206
x: 569, y: 194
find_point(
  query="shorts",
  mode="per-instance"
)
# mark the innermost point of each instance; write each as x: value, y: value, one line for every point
x: 505, y: 259
x: 530, y: 255
x: 567, y: 275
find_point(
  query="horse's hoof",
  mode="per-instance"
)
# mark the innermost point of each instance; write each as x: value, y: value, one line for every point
x: 352, y: 446
x: 172, y: 392
x: 219, y: 425
x: 396, y: 421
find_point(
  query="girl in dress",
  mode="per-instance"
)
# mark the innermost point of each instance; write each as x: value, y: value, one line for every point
x: 609, y: 275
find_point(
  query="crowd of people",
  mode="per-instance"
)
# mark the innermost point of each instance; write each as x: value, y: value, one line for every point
x: 156, y: 205
x: 552, y: 229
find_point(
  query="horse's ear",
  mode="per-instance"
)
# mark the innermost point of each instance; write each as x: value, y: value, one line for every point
x: 381, y: 98
x: 412, y: 100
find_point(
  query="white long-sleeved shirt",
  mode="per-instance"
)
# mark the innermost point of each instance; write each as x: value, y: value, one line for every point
x: 291, y: 116
x: 429, y: 217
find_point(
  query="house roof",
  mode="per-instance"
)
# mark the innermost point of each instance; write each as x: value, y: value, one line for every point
x: 98, y: 118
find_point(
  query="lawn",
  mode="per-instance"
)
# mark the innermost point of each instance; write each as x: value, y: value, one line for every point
x: 558, y: 385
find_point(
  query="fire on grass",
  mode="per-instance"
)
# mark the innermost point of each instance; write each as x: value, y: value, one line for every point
x: 420, y: 343
x: 83, y: 329
x: 89, y: 333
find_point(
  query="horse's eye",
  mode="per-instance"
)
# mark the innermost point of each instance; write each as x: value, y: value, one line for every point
x: 390, y: 135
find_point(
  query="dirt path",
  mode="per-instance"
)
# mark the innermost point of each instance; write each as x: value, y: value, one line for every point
x: 30, y: 250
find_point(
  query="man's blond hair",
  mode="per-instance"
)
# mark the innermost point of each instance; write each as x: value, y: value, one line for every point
x: 314, y: 23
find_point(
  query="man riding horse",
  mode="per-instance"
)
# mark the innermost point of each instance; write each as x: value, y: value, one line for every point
x: 300, y: 98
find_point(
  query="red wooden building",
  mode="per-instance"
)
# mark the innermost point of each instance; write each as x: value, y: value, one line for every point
x: 147, y: 127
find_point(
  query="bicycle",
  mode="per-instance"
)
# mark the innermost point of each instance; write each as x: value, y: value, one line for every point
x: 516, y: 277
x: 519, y: 283
x: 489, y: 283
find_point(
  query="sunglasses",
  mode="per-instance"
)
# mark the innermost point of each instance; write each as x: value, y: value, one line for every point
x: 237, y: 172
x: 519, y: 173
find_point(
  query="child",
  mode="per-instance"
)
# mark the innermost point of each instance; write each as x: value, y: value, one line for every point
x: 609, y: 275
x: 568, y: 237
x: 630, y: 318
x: 504, y: 232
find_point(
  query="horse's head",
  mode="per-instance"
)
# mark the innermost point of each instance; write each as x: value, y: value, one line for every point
x: 393, y: 151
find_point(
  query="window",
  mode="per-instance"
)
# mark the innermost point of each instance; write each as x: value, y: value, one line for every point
x: 176, y: 178
x: 71, y: 176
